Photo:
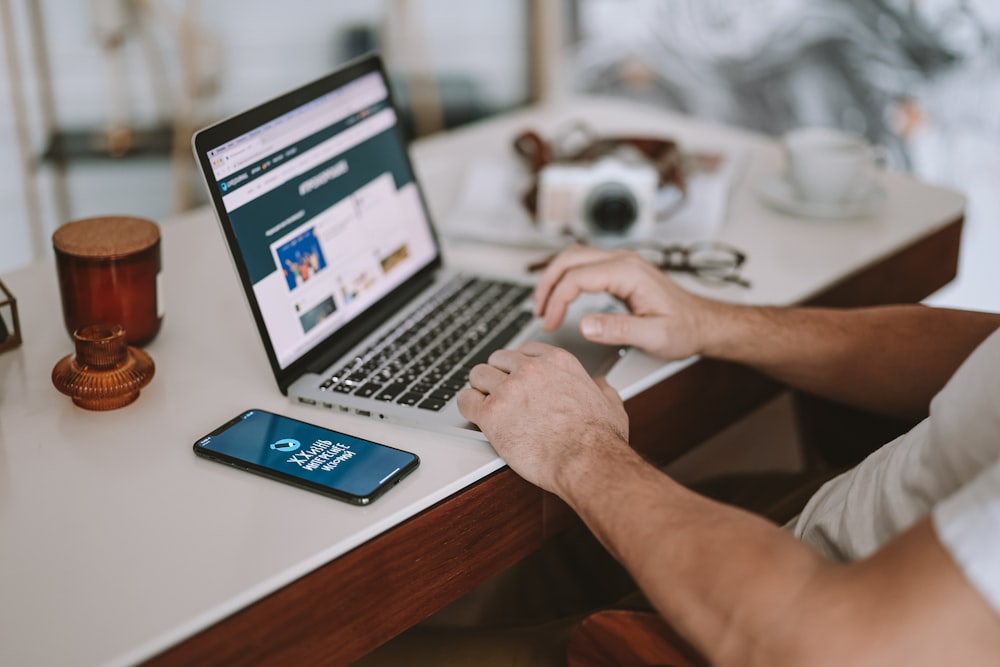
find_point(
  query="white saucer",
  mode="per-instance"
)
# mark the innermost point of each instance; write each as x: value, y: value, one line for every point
x: 778, y: 193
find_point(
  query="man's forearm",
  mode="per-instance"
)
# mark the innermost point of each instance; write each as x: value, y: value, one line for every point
x: 725, y: 579
x: 857, y: 356
x: 744, y: 592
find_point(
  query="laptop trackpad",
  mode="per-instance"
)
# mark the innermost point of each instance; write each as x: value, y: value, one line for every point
x: 596, y: 358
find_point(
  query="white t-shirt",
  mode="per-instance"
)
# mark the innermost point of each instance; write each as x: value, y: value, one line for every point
x: 948, y: 465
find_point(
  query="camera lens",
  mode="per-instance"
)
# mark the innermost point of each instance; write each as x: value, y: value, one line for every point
x: 611, y: 208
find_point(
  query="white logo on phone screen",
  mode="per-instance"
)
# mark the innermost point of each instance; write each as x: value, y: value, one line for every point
x: 286, y: 445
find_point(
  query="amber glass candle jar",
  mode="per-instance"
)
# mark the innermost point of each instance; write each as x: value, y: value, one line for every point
x: 109, y: 271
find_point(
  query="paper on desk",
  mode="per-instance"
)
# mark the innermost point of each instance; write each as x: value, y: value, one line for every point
x: 489, y: 207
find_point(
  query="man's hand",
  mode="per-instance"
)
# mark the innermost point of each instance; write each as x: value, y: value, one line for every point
x: 861, y: 357
x: 543, y: 413
x: 665, y: 320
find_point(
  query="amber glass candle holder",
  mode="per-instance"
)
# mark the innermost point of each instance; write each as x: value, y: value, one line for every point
x: 109, y: 271
x: 105, y: 373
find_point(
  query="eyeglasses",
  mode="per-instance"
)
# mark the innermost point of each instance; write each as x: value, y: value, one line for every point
x: 713, y: 262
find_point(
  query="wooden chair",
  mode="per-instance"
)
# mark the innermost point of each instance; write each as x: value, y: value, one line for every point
x: 627, y: 638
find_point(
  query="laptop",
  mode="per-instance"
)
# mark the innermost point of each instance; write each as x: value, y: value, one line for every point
x: 340, y: 264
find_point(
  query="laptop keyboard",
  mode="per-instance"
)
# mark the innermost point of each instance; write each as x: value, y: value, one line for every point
x: 426, y: 360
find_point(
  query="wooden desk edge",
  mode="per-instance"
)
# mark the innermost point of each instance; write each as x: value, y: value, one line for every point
x: 425, y: 563
x: 326, y: 617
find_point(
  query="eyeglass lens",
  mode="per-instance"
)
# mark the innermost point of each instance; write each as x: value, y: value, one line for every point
x: 716, y: 262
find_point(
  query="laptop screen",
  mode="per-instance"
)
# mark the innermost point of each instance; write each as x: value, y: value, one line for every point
x: 325, y: 212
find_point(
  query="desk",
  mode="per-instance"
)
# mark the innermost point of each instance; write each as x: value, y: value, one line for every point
x: 118, y: 546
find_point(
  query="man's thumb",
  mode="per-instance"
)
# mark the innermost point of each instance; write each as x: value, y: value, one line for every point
x: 619, y: 330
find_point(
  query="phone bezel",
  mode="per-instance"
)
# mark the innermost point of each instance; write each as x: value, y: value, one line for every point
x: 276, y: 475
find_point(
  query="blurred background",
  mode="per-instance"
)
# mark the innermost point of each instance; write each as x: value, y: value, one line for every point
x: 100, y: 97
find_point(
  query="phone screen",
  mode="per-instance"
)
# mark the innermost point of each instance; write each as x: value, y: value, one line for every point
x: 309, y: 456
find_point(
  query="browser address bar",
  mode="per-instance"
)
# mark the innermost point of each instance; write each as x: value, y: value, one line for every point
x: 266, y: 145
x: 312, y: 158
x: 313, y: 120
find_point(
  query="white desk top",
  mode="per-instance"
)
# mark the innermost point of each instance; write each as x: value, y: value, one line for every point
x: 117, y: 542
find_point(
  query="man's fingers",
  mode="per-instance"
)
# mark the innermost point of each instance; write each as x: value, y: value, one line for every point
x: 470, y: 404
x: 534, y: 348
x: 486, y: 378
x: 510, y: 360
x: 610, y: 275
x: 567, y: 259
x: 505, y: 360
x: 553, y: 272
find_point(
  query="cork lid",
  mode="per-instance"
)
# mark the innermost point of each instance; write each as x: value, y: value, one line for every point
x: 106, y: 237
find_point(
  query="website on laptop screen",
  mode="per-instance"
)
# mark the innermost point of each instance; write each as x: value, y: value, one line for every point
x: 325, y: 211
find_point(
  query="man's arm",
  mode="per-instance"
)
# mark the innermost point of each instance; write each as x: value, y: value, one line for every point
x: 856, y: 357
x: 745, y: 592
x: 740, y: 589
x: 889, y: 360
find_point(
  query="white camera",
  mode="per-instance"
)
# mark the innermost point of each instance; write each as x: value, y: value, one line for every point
x: 608, y: 198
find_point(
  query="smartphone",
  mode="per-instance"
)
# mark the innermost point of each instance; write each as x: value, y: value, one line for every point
x: 308, y: 456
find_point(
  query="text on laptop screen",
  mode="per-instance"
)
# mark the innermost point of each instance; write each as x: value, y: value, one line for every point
x: 326, y: 212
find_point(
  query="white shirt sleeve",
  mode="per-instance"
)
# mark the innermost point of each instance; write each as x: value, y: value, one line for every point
x: 853, y: 515
x: 968, y: 524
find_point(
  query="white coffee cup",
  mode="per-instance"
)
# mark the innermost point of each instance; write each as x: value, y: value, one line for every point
x: 829, y: 166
